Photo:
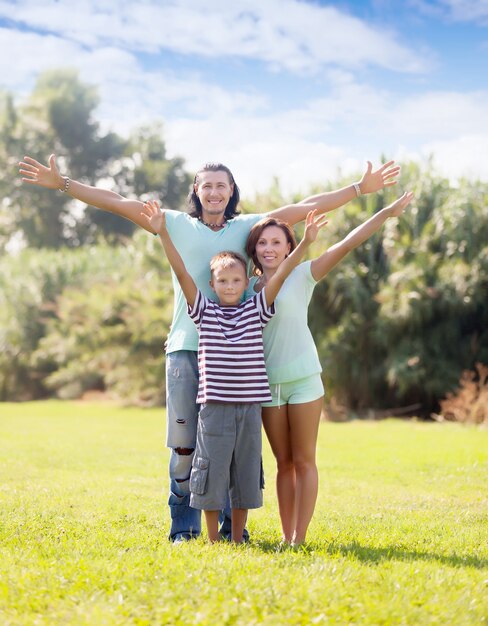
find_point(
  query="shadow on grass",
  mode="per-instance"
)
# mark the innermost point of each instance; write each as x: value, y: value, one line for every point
x: 394, y: 553
x: 367, y: 554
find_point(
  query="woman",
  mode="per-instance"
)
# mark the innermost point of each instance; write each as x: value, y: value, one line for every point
x: 291, y: 419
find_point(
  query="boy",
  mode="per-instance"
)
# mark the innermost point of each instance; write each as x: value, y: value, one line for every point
x: 232, y: 376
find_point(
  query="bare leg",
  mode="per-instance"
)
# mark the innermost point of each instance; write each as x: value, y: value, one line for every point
x: 239, y: 517
x: 275, y: 421
x: 304, y: 422
x: 212, y: 521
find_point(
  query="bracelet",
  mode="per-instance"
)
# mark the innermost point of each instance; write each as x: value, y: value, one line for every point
x: 66, y: 184
x: 357, y: 190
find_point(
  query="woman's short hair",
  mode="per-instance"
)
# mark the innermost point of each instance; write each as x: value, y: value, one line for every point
x: 255, y: 234
x: 194, y: 204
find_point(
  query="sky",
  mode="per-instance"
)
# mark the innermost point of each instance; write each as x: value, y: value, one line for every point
x: 298, y: 90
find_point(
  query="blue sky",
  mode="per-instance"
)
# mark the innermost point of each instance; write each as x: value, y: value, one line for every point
x: 292, y: 89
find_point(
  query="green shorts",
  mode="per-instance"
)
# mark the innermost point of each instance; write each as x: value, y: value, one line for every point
x: 297, y: 391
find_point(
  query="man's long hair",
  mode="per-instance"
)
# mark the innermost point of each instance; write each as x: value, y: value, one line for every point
x: 194, y: 204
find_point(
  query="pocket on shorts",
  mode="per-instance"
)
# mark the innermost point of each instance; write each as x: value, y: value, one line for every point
x: 199, y: 476
x: 211, y: 420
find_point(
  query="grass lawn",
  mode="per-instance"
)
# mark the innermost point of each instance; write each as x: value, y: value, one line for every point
x: 400, y: 533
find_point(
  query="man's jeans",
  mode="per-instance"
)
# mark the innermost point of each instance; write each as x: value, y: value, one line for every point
x: 181, y: 418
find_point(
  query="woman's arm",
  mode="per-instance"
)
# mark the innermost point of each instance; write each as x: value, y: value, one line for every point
x: 35, y: 173
x: 313, y: 224
x: 370, y: 182
x: 331, y: 257
x: 156, y: 220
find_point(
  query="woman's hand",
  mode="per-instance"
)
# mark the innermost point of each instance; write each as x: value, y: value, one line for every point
x: 313, y: 224
x: 380, y: 178
x: 36, y: 173
x: 154, y: 215
x: 396, y: 208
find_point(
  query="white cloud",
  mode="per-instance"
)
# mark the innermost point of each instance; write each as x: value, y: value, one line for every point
x: 33, y: 53
x: 467, y: 10
x: 463, y: 156
x: 339, y: 123
x: 454, y: 10
x: 130, y: 94
x: 309, y: 145
x: 288, y: 34
x: 441, y: 115
x: 256, y: 154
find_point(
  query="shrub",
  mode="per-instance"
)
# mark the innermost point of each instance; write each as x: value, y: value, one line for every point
x: 469, y: 403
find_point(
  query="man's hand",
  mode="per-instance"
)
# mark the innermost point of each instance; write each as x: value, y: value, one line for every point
x: 36, y: 173
x: 383, y: 177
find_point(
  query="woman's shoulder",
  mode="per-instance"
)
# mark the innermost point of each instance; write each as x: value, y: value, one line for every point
x: 301, y: 272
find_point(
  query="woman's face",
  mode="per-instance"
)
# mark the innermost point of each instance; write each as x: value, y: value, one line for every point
x: 272, y: 247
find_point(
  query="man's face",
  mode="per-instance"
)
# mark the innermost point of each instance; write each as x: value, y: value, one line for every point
x: 214, y: 191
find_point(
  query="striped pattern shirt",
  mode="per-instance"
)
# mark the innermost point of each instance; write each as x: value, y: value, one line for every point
x: 230, y: 349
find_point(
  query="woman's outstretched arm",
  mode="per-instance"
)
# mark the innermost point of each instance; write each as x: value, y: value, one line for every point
x: 322, y: 265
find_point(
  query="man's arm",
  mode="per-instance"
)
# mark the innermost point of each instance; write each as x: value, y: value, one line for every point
x: 370, y: 182
x: 35, y: 173
x: 157, y: 222
x: 313, y: 224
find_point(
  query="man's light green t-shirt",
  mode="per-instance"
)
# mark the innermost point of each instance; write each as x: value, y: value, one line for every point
x: 289, y: 348
x: 197, y: 244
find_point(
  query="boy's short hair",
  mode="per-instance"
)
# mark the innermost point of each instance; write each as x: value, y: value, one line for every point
x: 227, y: 258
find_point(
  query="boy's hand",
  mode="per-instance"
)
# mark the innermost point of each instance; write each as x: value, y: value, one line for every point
x: 154, y: 215
x: 396, y: 208
x: 312, y: 225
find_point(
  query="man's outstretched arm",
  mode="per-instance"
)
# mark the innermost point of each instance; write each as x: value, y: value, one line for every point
x: 371, y: 182
x: 48, y: 176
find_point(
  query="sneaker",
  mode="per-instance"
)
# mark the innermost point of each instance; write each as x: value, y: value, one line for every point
x: 181, y: 538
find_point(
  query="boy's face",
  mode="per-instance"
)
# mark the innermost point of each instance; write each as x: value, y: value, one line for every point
x: 229, y: 283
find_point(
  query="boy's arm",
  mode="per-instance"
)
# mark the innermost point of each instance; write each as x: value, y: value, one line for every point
x: 313, y: 225
x: 331, y: 257
x: 157, y: 221
x: 370, y: 182
x: 35, y: 173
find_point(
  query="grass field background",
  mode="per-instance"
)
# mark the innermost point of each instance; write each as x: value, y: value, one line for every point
x: 400, y: 533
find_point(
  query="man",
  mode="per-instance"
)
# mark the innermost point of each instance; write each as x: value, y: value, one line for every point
x: 213, y: 225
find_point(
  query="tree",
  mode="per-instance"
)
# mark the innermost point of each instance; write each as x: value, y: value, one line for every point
x: 59, y: 117
x: 90, y: 318
x: 144, y: 171
x: 403, y: 315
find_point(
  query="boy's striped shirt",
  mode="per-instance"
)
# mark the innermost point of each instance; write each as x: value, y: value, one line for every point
x: 230, y: 350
